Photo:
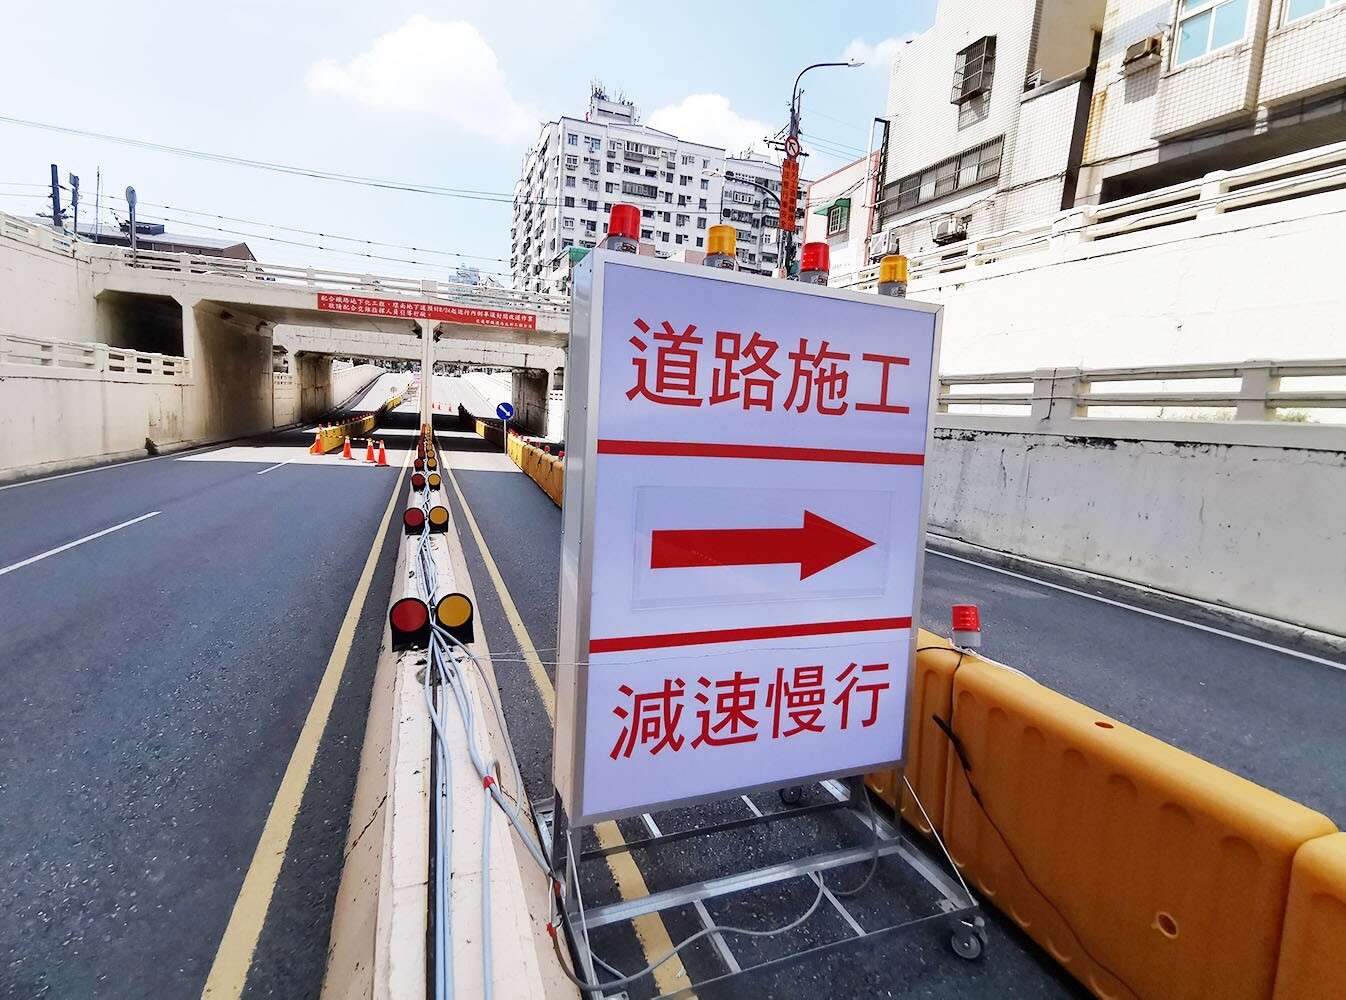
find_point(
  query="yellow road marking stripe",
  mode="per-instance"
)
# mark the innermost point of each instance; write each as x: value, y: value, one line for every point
x: 229, y: 971
x: 650, y: 928
x: 540, y: 678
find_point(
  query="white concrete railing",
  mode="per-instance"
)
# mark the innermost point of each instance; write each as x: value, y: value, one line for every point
x: 69, y: 356
x: 1252, y: 390
x: 1310, y: 172
x: 323, y: 279
x: 38, y: 236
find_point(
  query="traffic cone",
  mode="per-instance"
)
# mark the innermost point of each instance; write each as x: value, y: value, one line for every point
x: 369, y: 449
x: 383, y: 454
x: 346, y: 450
x: 316, y: 447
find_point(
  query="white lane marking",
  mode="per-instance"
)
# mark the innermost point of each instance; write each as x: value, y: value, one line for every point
x: 276, y: 466
x: 1144, y: 611
x: 113, y: 465
x: 77, y: 541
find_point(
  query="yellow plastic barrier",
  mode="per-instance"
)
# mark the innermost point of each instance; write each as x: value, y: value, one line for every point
x: 490, y: 432
x: 927, y: 761
x: 1167, y: 877
x: 1313, y: 945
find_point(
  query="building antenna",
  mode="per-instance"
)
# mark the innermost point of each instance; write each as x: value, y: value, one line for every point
x: 97, y: 200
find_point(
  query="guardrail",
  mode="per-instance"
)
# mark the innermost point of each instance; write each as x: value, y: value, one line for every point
x: 38, y: 236
x: 67, y: 357
x: 1311, y: 172
x: 1244, y: 391
x: 322, y: 278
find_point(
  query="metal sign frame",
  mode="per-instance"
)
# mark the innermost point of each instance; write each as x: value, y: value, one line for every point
x: 583, y: 379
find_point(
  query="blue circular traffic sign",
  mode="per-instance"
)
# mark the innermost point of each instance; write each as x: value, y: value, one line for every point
x: 504, y: 411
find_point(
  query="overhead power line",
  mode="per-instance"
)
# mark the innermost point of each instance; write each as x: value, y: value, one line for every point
x: 470, y: 194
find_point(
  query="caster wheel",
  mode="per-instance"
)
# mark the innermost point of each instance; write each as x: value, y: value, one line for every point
x: 967, y: 943
x: 791, y: 796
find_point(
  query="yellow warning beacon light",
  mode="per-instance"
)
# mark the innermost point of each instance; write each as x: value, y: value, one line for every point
x: 454, y: 614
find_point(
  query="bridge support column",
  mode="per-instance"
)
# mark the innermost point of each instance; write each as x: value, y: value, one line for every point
x: 313, y: 372
x: 231, y: 393
x: 427, y: 371
x: 529, y: 391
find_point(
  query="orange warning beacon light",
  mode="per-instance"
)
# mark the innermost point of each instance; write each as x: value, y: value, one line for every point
x: 893, y: 276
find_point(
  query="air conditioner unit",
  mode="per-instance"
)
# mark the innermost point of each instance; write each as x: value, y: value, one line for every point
x: 1146, y: 52
x: 1034, y: 80
x: 881, y: 244
x: 950, y: 230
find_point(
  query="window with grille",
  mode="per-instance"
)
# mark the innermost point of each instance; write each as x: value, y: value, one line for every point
x: 973, y: 69
x: 838, y: 219
x: 975, y: 166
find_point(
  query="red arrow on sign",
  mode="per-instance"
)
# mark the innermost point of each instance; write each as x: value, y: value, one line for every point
x: 816, y: 546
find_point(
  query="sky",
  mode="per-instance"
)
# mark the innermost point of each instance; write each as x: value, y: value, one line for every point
x: 445, y: 94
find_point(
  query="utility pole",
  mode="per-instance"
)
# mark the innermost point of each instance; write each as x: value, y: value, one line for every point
x: 131, y: 201
x: 57, y: 218
x: 74, y: 201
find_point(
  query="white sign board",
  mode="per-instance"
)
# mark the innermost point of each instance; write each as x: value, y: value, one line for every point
x: 743, y: 533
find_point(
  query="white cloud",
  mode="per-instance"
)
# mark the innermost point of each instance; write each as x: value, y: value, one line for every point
x: 878, y: 56
x: 708, y: 118
x: 443, y: 69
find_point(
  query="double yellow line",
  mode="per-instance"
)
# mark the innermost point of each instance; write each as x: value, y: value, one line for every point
x: 650, y: 929
x: 233, y: 960
x: 229, y: 971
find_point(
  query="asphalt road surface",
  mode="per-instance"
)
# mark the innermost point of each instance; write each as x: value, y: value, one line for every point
x: 1257, y: 711
x: 156, y: 679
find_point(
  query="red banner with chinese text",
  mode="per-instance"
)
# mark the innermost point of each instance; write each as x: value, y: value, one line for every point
x: 412, y: 309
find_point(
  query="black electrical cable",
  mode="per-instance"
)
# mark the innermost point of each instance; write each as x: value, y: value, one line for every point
x: 965, y: 765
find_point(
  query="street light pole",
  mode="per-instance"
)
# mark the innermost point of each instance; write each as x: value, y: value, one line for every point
x: 788, y: 243
x: 740, y: 179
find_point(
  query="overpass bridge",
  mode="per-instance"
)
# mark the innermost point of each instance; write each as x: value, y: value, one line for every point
x: 225, y: 321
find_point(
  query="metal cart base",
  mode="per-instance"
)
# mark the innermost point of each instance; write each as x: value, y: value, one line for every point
x: 958, y: 911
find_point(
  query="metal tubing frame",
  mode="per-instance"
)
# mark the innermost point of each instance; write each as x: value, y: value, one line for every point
x: 956, y: 901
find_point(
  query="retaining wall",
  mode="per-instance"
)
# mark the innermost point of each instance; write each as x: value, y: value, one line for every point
x: 1246, y: 522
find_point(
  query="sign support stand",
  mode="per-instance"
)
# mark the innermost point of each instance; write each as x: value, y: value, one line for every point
x: 874, y: 840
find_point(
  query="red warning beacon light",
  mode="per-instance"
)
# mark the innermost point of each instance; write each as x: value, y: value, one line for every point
x: 623, y: 229
x: 966, y: 626
x: 815, y: 263
x: 409, y: 622
x: 413, y: 520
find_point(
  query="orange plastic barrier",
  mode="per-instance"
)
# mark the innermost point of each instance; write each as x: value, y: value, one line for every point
x: 927, y: 762
x: 491, y: 432
x: 544, y: 469
x: 1167, y: 876
x: 1313, y: 945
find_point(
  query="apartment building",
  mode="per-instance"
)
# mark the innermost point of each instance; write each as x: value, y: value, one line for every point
x: 1189, y: 87
x: 840, y: 213
x: 987, y: 114
x: 750, y: 202
x: 579, y: 168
